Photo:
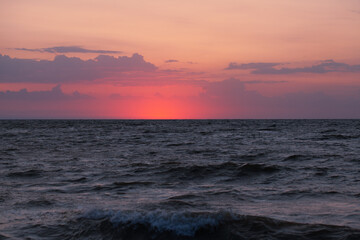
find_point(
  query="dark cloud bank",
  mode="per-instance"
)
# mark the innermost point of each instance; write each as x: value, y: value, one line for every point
x: 224, y: 99
x: 232, y: 96
x: 269, y: 68
x: 68, y: 69
x: 55, y: 94
x: 54, y: 103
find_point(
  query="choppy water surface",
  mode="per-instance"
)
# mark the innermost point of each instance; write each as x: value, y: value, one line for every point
x: 186, y: 179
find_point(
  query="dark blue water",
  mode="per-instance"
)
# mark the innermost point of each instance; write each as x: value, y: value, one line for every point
x: 186, y: 179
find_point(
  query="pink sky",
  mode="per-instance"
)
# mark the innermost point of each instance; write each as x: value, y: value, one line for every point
x: 180, y: 59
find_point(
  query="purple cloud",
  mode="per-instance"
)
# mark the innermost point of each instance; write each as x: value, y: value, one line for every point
x: 264, y: 82
x: 171, y: 61
x: 69, y: 69
x: 245, y: 66
x: 67, y: 49
x: 233, y: 100
x: 47, y: 104
x: 323, y: 67
x: 55, y: 94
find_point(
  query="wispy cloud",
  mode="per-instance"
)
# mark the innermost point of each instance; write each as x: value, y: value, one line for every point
x: 177, y: 61
x: 269, y: 68
x: 244, y: 66
x: 264, y: 82
x: 171, y: 61
x: 68, y: 49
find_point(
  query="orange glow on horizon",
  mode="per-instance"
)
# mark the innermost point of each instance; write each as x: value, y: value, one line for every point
x: 161, y: 109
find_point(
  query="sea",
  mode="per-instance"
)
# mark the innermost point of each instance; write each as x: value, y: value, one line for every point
x: 180, y: 179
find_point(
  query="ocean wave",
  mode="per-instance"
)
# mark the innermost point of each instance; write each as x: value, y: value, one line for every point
x: 297, y: 157
x: 230, y: 169
x: 180, y: 224
x: 27, y: 173
x: 337, y: 137
x: 117, y: 185
x: 41, y: 202
x: 146, y: 225
x: 178, y: 144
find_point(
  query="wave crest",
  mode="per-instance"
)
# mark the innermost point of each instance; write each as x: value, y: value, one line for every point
x: 205, y: 225
x: 182, y: 224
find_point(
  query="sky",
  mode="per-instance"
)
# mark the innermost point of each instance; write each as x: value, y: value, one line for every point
x: 161, y: 59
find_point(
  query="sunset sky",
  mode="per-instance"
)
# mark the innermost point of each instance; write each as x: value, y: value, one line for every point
x: 164, y: 59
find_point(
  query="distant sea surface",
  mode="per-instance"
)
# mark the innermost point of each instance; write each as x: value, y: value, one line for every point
x: 180, y: 179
